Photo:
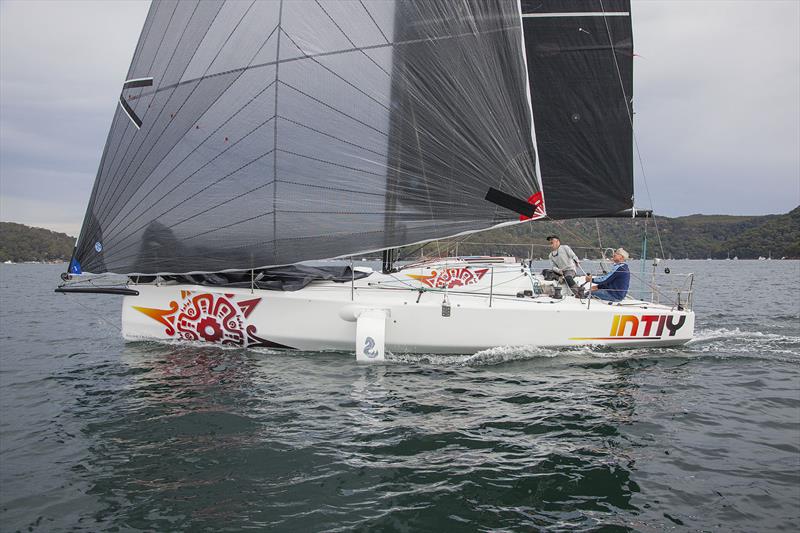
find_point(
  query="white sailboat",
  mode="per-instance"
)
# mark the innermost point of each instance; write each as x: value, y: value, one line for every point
x: 254, y: 136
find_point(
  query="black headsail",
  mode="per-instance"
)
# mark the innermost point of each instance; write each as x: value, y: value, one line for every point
x: 580, y: 62
x: 254, y: 134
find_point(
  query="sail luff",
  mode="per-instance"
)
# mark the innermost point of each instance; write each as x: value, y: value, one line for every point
x: 116, y: 194
x: 530, y: 110
x: 89, y: 224
x: 154, y: 144
x: 237, y: 74
x: 128, y: 129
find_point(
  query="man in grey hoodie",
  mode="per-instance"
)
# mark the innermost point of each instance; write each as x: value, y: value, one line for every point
x: 564, y: 260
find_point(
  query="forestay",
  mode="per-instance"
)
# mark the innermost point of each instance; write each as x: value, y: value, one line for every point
x: 255, y: 133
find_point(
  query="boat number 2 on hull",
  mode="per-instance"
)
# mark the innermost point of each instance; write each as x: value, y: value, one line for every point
x: 369, y: 348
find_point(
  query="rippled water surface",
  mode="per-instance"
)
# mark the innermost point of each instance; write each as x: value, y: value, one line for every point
x: 98, y: 434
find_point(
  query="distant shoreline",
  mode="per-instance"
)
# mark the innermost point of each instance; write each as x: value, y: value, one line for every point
x: 695, y: 237
x: 24, y: 244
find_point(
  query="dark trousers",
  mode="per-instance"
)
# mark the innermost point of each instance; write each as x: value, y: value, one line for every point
x: 569, y: 277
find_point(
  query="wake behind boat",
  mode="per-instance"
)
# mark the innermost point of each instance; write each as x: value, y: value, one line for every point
x: 252, y: 136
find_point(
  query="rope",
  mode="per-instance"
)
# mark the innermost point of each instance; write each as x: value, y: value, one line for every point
x: 97, y: 315
x: 633, y: 131
x: 576, y: 235
x: 599, y: 240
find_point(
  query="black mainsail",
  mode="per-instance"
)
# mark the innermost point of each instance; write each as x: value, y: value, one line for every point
x: 580, y: 62
x: 268, y: 133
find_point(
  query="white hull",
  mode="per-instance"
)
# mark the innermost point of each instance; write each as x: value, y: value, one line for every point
x: 324, y: 315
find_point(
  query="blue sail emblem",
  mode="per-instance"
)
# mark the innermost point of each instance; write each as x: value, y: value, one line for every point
x: 75, y: 267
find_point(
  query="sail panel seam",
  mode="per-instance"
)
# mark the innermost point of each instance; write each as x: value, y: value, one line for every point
x: 275, y: 134
x: 331, y: 53
x: 180, y: 107
x: 220, y: 204
x: 333, y: 108
x: 116, y: 164
x: 330, y: 163
x: 350, y: 40
x: 121, y: 217
x: 406, y: 121
x: 125, y: 236
x: 149, y: 69
x: 260, y: 215
x: 220, y: 228
x: 331, y: 136
x: 324, y: 187
x: 373, y: 21
x: 128, y: 256
x: 200, y: 117
x: 338, y: 75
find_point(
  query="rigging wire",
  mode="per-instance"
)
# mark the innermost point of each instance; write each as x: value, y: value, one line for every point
x: 633, y: 131
x: 578, y: 237
x: 96, y: 314
x: 599, y: 239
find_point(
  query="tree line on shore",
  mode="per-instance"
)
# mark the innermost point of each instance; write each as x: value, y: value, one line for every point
x: 20, y: 243
x: 693, y: 237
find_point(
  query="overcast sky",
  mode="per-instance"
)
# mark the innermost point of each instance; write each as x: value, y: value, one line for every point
x: 716, y: 94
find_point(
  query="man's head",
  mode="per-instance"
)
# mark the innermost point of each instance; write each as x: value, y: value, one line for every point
x: 554, y: 241
x: 620, y: 255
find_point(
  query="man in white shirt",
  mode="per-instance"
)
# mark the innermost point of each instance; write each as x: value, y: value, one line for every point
x: 563, y: 259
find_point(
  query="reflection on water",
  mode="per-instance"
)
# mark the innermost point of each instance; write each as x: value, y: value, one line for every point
x: 218, y: 437
x: 98, y: 434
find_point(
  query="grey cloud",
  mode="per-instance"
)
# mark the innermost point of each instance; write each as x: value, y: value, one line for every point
x: 718, y: 105
x: 61, y: 67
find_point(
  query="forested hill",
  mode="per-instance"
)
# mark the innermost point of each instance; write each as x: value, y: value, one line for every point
x: 694, y: 236
x: 20, y: 243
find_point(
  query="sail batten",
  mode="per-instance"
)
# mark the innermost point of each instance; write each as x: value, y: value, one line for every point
x: 278, y: 132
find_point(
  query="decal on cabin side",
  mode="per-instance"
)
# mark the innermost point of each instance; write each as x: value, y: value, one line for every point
x: 451, y: 278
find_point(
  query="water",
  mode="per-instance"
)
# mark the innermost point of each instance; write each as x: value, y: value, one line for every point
x: 98, y: 434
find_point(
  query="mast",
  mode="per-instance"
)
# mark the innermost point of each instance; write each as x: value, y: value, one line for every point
x: 389, y: 259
